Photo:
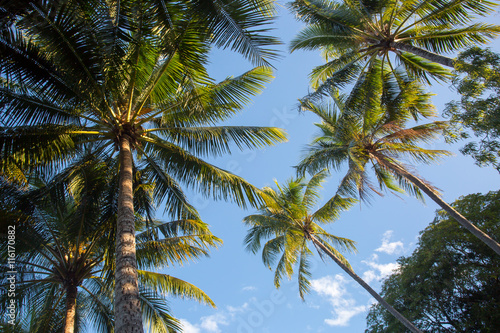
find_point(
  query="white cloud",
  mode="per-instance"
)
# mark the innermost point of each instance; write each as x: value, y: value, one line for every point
x: 187, y: 327
x: 344, y: 306
x: 390, y: 247
x: 344, y: 315
x: 249, y: 288
x: 378, y: 271
x: 369, y: 276
x: 235, y: 309
x: 211, y: 323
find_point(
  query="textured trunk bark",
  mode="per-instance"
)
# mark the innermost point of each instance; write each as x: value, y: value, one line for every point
x: 69, y: 321
x: 362, y: 283
x: 128, y: 317
x: 445, y: 61
x: 450, y: 210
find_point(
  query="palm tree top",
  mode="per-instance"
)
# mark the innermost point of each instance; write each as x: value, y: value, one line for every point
x: 285, y: 225
x: 417, y: 34
x: 368, y: 126
x: 119, y: 79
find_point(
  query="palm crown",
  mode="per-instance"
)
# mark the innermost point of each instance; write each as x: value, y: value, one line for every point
x: 356, y: 141
x: 91, y: 74
x: 353, y: 33
x: 370, y: 126
x: 287, y: 223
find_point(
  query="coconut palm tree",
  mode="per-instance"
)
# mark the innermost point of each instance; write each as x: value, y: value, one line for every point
x: 357, y: 130
x: 287, y: 225
x: 353, y: 33
x: 75, y: 72
x: 64, y: 262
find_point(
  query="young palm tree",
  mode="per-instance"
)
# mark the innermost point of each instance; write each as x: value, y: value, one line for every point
x: 75, y: 72
x: 63, y: 261
x: 357, y: 130
x: 353, y: 33
x: 287, y: 226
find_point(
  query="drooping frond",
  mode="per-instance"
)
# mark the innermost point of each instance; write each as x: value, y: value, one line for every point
x: 173, y: 286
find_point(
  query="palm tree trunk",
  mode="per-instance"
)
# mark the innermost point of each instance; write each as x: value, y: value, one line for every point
x: 445, y: 61
x: 128, y: 317
x: 362, y: 283
x: 69, y: 320
x: 450, y: 210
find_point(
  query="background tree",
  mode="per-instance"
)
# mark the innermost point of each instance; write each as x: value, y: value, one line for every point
x: 75, y: 72
x: 414, y: 34
x: 451, y: 282
x: 287, y: 226
x: 478, y: 110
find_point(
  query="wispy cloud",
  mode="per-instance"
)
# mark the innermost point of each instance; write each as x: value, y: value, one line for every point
x: 379, y: 271
x: 241, y: 318
x: 388, y: 246
x: 211, y: 323
x: 249, y: 288
x: 187, y: 327
x: 344, y: 305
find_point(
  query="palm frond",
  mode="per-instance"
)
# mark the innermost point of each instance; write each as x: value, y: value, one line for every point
x: 173, y: 286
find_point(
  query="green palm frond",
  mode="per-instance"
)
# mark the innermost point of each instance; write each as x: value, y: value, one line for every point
x: 217, y: 141
x: 173, y: 286
x: 335, y: 252
x: 311, y: 193
x: 304, y: 271
x: 331, y: 210
x: 203, y: 176
x: 206, y: 104
x: 156, y: 313
x: 423, y: 69
x: 239, y: 25
x: 452, y: 39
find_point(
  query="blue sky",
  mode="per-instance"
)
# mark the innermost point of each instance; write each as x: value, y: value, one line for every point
x: 238, y: 282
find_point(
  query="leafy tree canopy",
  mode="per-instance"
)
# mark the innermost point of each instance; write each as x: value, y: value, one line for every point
x: 451, y: 282
x: 478, y: 110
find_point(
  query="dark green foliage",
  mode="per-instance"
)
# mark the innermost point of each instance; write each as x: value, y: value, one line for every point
x: 478, y: 110
x: 451, y: 282
x: 65, y: 230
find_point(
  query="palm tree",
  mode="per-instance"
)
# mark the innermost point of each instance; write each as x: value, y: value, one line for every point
x: 353, y: 33
x: 358, y: 130
x: 64, y: 231
x: 287, y: 225
x: 75, y: 72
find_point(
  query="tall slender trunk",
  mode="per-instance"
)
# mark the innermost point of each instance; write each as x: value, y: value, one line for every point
x: 445, y: 61
x: 128, y: 317
x: 450, y: 210
x: 69, y: 321
x: 362, y: 283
